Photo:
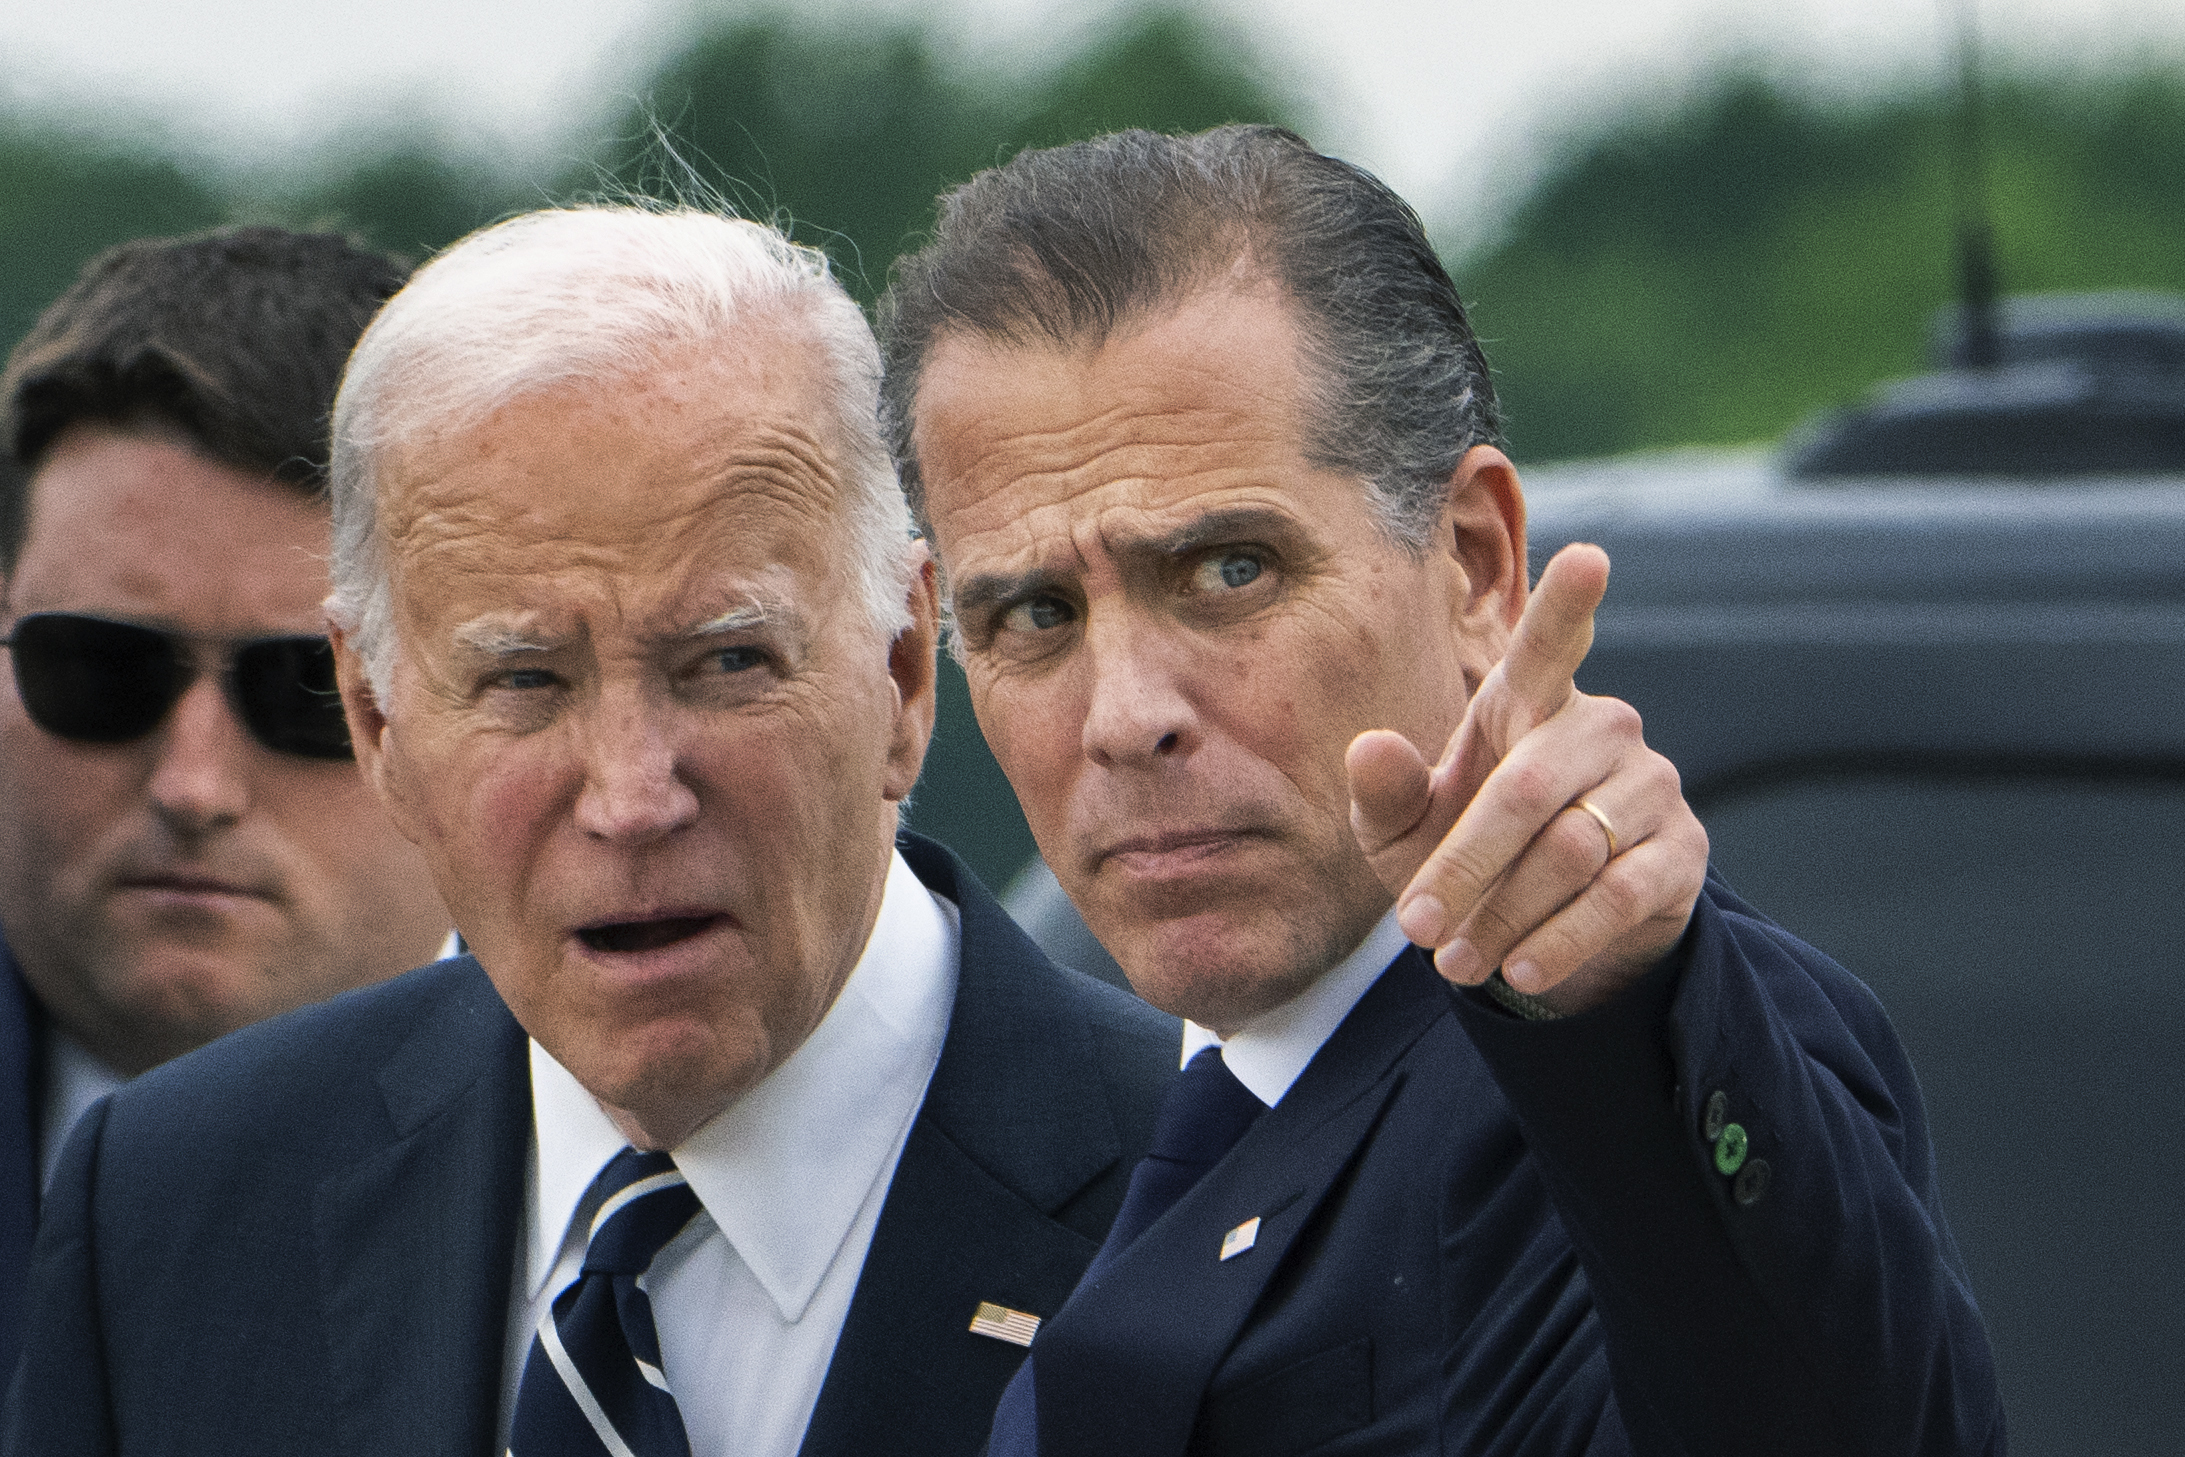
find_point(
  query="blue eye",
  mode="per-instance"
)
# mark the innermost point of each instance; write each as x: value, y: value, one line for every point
x: 1041, y: 614
x: 738, y: 660
x: 529, y: 678
x: 1229, y: 571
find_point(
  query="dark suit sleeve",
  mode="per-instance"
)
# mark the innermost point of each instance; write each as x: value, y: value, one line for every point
x: 58, y: 1405
x: 1817, y: 1306
x: 21, y: 1086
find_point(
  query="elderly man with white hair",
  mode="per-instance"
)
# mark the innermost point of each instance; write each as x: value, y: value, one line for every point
x: 751, y: 1125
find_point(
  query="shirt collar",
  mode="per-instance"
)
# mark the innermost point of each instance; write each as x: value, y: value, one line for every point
x: 75, y: 1079
x: 784, y: 1169
x: 1269, y: 1052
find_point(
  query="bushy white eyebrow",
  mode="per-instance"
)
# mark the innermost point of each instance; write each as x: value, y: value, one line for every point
x: 751, y: 614
x: 498, y: 636
x: 501, y: 635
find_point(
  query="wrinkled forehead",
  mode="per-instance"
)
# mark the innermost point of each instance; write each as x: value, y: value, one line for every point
x: 1203, y: 394
x: 726, y: 464
x: 775, y: 359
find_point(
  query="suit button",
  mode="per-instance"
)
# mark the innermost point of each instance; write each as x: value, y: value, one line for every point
x: 1718, y: 1113
x: 1752, y: 1182
x: 1730, y: 1148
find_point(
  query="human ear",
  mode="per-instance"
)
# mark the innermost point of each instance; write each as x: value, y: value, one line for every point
x: 911, y: 669
x: 1481, y: 533
x: 367, y: 727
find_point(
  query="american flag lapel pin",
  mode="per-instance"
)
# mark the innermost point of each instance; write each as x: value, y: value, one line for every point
x: 1240, y: 1239
x: 1017, y: 1327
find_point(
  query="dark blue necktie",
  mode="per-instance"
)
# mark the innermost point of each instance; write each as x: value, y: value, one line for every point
x: 1206, y: 1111
x: 592, y: 1385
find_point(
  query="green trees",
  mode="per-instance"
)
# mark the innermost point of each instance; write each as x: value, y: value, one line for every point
x: 63, y: 198
x: 1714, y: 273
x: 848, y: 137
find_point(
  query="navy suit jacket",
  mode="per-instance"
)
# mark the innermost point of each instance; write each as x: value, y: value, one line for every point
x: 20, y: 1097
x: 302, y: 1237
x: 1483, y: 1235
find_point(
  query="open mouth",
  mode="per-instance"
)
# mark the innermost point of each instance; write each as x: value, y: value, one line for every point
x: 644, y: 935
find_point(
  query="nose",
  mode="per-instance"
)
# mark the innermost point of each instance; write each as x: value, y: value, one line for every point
x: 633, y: 793
x: 201, y: 781
x: 1139, y: 711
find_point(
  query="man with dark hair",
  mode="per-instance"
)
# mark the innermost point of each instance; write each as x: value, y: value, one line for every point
x: 1211, y: 461
x: 185, y: 843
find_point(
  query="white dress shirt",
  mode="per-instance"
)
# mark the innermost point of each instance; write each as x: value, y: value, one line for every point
x: 74, y: 1081
x: 1268, y: 1052
x: 750, y: 1297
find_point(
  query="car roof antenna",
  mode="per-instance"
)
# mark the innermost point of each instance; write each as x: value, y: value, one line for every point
x: 1979, y: 335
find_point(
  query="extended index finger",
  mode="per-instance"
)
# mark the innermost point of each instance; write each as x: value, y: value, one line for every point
x: 1556, y: 632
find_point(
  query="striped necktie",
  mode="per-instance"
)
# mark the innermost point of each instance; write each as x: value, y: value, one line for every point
x: 592, y: 1384
x: 1206, y: 1111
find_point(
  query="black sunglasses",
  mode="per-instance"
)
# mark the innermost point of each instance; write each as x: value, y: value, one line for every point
x: 103, y: 682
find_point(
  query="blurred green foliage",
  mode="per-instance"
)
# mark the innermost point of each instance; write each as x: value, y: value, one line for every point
x: 63, y: 198
x: 1709, y: 271
x: 1715, y: 272
x: 847, y: 137
x: 404, y: 195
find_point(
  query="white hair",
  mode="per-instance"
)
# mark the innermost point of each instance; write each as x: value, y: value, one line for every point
x: 583, y: 294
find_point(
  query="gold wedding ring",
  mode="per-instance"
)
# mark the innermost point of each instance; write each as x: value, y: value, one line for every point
x: 1600, y: 819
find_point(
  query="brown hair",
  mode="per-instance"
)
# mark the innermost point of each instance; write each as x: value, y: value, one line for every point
x: 1070, y: 243
x: 234, y: 339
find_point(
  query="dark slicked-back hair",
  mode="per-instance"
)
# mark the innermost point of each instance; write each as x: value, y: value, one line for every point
x: 1068, y: 245
x: 233, y: 340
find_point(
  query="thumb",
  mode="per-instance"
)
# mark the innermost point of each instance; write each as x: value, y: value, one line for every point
x: 1391, y: 789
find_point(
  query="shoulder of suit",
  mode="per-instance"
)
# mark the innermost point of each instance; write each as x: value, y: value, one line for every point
x: 1119, y: 1013
x: 316, y: 1053
x: 1110, y: 1012
x: 1133, y: 1044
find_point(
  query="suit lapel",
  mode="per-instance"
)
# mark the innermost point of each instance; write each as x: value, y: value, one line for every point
x: 1160, y: 1318
x: 1018, y: 1055
x: 417, y: 1240
x: 976, y: 1211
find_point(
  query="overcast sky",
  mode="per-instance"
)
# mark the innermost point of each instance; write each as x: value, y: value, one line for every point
x: 1447, y: 100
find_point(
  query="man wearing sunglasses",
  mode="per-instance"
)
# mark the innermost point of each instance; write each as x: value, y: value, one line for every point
x: 185, y: 843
